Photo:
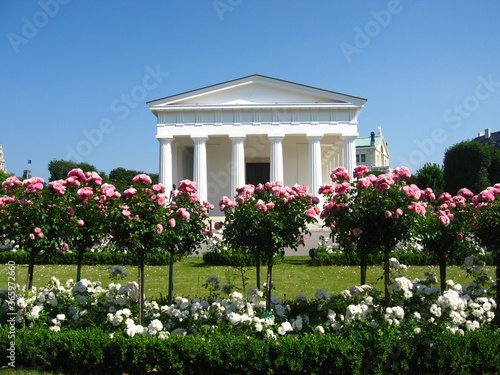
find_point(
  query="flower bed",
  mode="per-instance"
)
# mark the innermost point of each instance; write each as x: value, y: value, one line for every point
x: 417, y: 312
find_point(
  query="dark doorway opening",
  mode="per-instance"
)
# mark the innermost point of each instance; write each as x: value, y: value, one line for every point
x: 257, y: 173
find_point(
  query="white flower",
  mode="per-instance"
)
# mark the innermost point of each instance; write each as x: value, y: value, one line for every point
x: 234, y: 318
x: 319, y: 329
x: 401, y: 283
x: 417, y: 330
x: 435, y: 310
x: 154, y: 327
x: 301, y: 297
x: 61, y: 317
x: 55, y: 328
x: 270, y: 334
x: 258, y: 326
x: 321, y: 294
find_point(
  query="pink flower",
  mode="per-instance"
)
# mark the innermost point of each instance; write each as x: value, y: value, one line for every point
x: 37, y: 230
x: 445, y: 198
x: 412, y: 191
x: 357, y: 232
x: 77, y: 174
x: 464, y: 192
x: 84, y: 192
x: 387, y: 214
x: 363, y: 183
x: 443, y: 218
x: 58, y: 186
x: 460, y: 236
x: 161, y: 200
x: 311, y: 212
x: 226, y: 203
x: 183, y: 213
x: 342, y: 188
x: 259, y: 188
x: 218, y: 225
x: 418, y: 207
x: 261, y: 206
x: 402, y: 172
x: 194, y: 197
x: 339, y: 174
x: 40, y: 235
x: 384, y: 182
x: 326, y: 189
x: 126, y: 213
x: 108, y: 190
x: 303, y: 240
x: 171, y: 223
x: 159, y: 228
x: 11, y: 183
x: 159, y: 188
x: 429, y: 194
x: 399, y: 212
x: 360, y: 170
x: 93, y: 177
x: 65, y: 246
x: 31, y: 236
x: 130, y: 191
x: 188, y: 186
x: 80, y: 223
x: 270, y: 205
x: 32, y: 185
x: 301, y: 190
x: 245, y: 191
x: 142, y: 179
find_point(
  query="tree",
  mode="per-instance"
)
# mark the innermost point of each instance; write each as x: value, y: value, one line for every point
x: 471, y: 165
x: 143, y: 221
x: 486, y: 228
x: 85, y: 204
x: 431, y: 176
x: 59, y: 169
x: 265, y: 219
x: 371, y: 214
x: 29, y: 218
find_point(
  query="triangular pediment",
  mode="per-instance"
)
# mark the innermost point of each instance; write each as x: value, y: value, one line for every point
x: 256, y: 90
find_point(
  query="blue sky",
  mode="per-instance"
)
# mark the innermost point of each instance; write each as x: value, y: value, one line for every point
x: 76, y: 75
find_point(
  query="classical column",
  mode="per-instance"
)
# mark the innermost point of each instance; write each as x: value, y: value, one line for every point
x: 200, y: 165
x: 276, y: 157
x: 237, y: 162
x: 315, y: 163
x: 350, y: 153
x: 166, y: 164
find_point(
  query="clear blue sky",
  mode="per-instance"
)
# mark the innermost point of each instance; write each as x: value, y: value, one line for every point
x: 73, y: 73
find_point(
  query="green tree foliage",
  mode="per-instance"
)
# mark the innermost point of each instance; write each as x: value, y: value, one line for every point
x: 432, y: 176
x: 4, y: 176
x: 59, y: 169
x: 472, y: 165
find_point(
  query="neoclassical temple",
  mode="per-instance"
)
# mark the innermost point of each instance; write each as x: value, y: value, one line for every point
x: 255, y: 129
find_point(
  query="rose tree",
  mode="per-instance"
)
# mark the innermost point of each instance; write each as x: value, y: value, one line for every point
x: 145, y: 222
x: 265, y: 219
x: 29, y: 218
x: 445, y: 225
x: 85, y: 204
x: 371, y: 213
x: 486, y: 227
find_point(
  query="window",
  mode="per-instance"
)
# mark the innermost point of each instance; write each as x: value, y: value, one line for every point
x: 363, y: 158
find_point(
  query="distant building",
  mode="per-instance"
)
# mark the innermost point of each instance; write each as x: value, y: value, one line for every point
x: 373, y: 152
x: 2, y: 161
x: 488, y: 138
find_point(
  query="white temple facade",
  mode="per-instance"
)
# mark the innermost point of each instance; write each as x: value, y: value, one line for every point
x: 255, y: 129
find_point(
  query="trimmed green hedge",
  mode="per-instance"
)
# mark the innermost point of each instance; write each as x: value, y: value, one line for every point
x: 321, y: 257
x: 95, y: 258
x: 234, y: 258
x: 93, y: 351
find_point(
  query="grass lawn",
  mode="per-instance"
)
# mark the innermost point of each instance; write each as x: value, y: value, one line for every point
x: 293, y: 276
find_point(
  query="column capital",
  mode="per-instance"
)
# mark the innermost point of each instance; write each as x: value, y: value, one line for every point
x: 314, y: 136
x: 237, y: 137
x: 199, y: 137
x: 168, y: 137
x: 277, y: 137
x: 349, y: 137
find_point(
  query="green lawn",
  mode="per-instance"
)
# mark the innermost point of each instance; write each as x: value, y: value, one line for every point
x: 293, y: 276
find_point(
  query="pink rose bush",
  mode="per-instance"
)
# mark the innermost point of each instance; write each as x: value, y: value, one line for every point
x: 486, y: 228
x: 265, y: 219
x: 371, y: 213
x: 145, y: 221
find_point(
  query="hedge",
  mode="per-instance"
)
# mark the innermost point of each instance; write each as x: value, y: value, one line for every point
x: 93, y: 351
x: 320, y: 257
x: 89, y: 258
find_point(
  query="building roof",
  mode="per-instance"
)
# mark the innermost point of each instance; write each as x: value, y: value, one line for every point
x: 366, y: 141
x: 493, y: 139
